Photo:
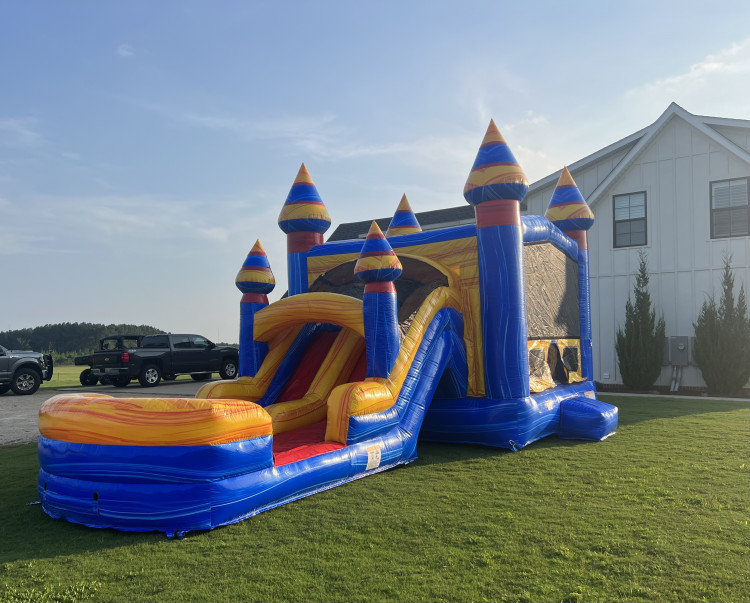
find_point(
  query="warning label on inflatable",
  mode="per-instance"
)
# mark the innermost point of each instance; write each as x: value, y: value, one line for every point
x: 373, y: 457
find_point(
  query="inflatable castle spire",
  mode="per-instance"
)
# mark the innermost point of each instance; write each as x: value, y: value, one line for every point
x: 495, y: 187
x: 404, y: 221
x: 569, y: 211
x: 304, y: 219
x: 255, y: 281
x: 378, y: 266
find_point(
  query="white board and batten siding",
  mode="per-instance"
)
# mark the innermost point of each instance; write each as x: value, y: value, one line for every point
x: 673, y: 162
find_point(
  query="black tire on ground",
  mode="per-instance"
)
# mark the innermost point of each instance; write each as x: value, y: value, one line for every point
x: 119, y: 381
x: 228, y: 368
x: 150, y: 376
x: 4, y: 388
x: 88, y: 378
x: 201, y: 376
x: 25, y: 381
x: 169, y: 377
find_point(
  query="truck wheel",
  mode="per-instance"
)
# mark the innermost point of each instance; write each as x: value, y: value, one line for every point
x: 119, y: 381
x: 88, y: 378
x: 26, y: 381
x: 201, y: 376
x: 228, y: 369
x: 150, y: 376
x: 4, y: 388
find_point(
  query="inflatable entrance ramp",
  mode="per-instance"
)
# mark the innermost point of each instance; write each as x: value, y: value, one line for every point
x: 477, y: 334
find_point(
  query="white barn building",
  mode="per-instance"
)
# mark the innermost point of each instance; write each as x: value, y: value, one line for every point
x: 677, y: 190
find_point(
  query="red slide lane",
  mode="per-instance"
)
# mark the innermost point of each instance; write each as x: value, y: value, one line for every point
x: 307, y: 441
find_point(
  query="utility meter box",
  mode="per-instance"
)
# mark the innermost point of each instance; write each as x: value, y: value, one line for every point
x: 679, y: 350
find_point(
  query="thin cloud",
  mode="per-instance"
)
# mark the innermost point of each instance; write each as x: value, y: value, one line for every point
x: 483, y: 93
x: 320, y: 137
x: 707, y: 86
x: 734, y: 60
x: 125, y: 51
x: 107, y: 221
x: 299, y: 128
x: 313, y: 134
x: 529, y: 119
x: 20, y: 132
x: 216, y: 233
x: 317, y: 136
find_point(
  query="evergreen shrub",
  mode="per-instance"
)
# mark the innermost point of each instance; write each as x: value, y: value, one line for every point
x: 640, y: 347
x: 722, y: 338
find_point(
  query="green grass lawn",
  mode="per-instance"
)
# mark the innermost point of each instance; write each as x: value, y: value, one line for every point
x: 64, y: 376
x: 659, y: 512
x: 69, y: 376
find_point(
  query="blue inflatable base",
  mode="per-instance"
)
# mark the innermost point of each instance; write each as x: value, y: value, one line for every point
x: 586, y: 419
x: 176, y: 508
x: 569, y: 411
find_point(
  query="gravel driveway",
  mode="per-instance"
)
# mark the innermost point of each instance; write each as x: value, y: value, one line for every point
x: 18, y: 414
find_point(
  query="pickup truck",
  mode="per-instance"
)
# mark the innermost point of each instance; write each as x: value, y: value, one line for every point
x: 163, y: 357
x: 107, y: 344
x: 23, y: 371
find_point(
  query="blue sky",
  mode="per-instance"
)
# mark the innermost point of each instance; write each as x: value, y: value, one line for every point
x: 144, y: 146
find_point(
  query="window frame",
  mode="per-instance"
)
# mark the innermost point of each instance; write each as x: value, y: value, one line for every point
x: 712, y: 211
x: 615, y: 221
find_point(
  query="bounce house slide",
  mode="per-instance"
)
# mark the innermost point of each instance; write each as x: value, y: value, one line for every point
x: 479, y: 333
x: 133, y: 483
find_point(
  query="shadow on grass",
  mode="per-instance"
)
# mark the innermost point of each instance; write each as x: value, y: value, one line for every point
x: 440, y: 453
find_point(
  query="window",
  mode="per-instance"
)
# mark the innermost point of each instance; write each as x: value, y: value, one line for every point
x: 201, y: 342
x: 730, y: 216
x: 155, y: 341
x: 180, y: 342
x: 630, y: 219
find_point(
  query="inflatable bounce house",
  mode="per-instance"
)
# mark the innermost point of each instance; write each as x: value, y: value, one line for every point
x: 475, y: 334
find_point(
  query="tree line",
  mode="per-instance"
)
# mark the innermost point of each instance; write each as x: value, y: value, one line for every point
x: 68, y: 339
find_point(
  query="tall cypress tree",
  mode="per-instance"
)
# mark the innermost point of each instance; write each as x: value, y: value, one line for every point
x: 640, y: 347
x: 722, y: 338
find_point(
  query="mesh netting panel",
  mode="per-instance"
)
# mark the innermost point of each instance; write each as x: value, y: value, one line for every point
x: 551, y: 293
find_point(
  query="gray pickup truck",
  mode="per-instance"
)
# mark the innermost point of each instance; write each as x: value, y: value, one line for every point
x: 163, y: 357
x: 23, y: 371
